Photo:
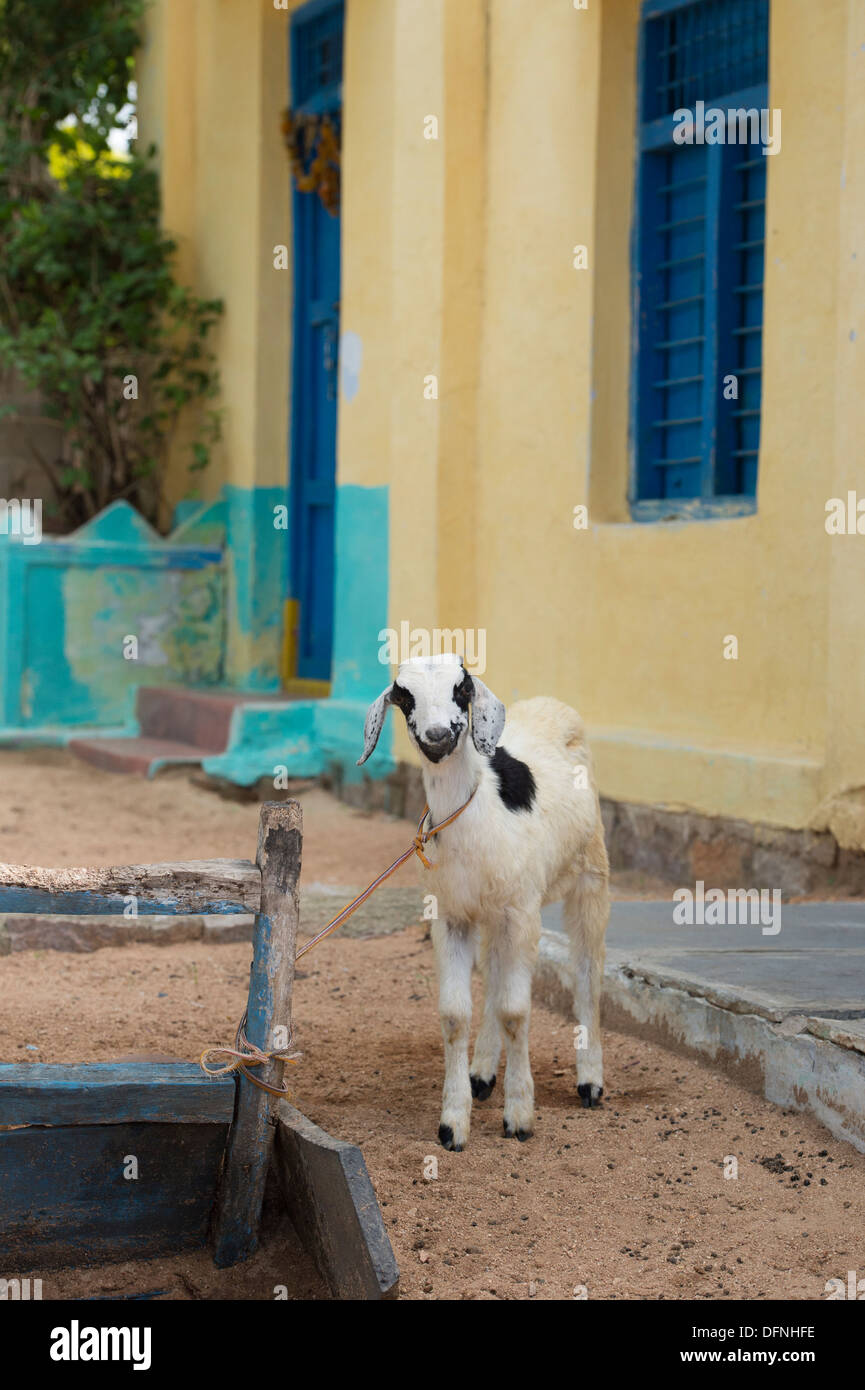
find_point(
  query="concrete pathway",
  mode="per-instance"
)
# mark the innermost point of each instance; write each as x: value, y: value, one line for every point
x: 784, y: 1010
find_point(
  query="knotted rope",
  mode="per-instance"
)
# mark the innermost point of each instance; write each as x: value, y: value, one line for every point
x: 245, y: 1054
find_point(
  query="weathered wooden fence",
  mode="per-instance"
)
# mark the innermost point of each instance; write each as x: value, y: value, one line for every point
x: 112, y: 1160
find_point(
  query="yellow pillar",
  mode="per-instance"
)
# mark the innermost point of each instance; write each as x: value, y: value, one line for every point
x: 844, y: 774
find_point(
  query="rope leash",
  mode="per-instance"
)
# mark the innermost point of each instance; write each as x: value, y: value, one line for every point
x: 422, y: 838
x: 244, y: 1054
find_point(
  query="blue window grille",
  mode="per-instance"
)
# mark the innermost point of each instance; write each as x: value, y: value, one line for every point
x: 698, y: 264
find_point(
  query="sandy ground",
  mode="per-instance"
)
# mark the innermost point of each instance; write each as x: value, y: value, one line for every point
x: 628, y: 1201
x: 59, y: 812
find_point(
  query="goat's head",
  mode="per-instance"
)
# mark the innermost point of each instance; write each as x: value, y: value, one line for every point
x: 435, y: 694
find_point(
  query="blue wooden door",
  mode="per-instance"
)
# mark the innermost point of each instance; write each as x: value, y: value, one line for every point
x: 316, y: 82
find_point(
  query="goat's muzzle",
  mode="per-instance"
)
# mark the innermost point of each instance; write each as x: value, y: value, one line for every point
x: 438, y: 742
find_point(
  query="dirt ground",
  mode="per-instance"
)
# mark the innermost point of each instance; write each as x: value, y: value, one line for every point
x: 60, y: 812
x: 626, y: 1202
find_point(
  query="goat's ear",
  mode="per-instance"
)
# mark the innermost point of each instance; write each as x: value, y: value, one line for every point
x: 373, y: 722
x: 488, y: 718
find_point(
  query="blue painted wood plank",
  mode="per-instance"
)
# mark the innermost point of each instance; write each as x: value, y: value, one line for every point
x: 214, y: 886
x: 65, y: 1199
x: 117, y: 1093
x: 82, y: 904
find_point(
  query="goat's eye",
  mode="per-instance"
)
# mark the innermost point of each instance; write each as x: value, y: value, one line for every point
x: 464, y: 692
x: 403, y: 699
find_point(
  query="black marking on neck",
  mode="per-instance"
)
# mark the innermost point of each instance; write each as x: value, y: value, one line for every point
x: 516, y: 783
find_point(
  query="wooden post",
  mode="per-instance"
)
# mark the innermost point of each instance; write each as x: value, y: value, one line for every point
x: 238, y: 1207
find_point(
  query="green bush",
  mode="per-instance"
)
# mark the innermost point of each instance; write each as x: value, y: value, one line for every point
x: 91, y: 315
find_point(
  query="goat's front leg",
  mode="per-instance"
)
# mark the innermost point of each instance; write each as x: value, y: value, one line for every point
x: 513, y: 951
x: 454, y: 951
x: 488, y: 1044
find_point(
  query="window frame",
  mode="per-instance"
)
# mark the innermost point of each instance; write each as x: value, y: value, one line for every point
x: 652, y: 136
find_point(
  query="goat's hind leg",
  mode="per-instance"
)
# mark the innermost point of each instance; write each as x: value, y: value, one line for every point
x: 587, y: 909
x: 454, y: 950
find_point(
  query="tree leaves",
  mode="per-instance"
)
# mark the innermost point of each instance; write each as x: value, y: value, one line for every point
x: 90, y: 312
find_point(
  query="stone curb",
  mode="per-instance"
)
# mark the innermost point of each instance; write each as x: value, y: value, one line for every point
x: 85, y: 934
x: 683, y: 846
x: 797, y: 1062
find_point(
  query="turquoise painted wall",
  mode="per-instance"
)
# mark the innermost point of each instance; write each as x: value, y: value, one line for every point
x: 309, y: 736
x: 256, y: 554
x: 70, y: 607
x: 360, y: 612
x: 241, y: 522
x: 206, y: 608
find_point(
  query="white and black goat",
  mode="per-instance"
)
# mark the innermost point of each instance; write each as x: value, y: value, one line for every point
x: 532, y: 834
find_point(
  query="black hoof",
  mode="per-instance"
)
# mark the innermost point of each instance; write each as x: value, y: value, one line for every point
x: 482, y: 1090
x: 590, y: 1094
x: 521, y: 1134
x: 446, y: 1139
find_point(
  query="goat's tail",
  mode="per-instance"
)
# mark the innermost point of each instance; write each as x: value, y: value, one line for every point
x: 587, y: 905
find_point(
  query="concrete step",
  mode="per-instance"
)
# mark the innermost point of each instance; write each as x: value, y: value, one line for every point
x: 199, y: 717
x: 181, y: 726
x: 137, y: 754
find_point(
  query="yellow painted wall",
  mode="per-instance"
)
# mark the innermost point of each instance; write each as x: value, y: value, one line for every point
x: 844, y: 768
x: 367, y: 200
x: 457, y: 261
x: 213, y: 79
x: 411, y: 265
x: 633, y: 617
x: 628, y: 621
